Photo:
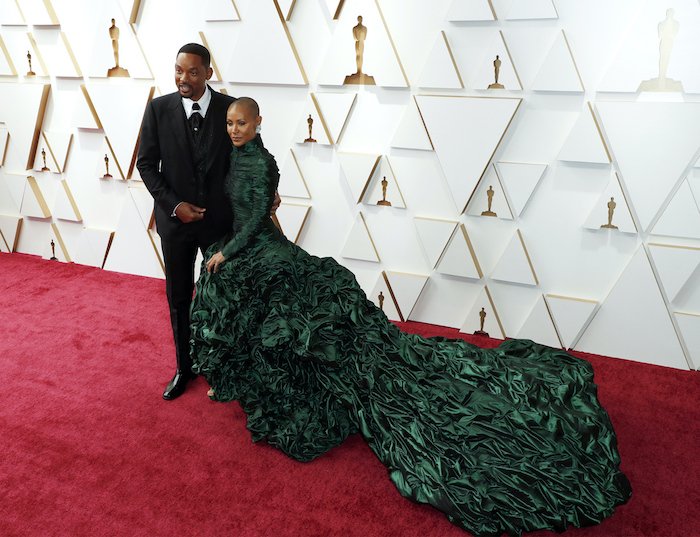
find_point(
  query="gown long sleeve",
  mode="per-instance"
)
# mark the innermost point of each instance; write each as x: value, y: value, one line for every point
x: 509, y: 439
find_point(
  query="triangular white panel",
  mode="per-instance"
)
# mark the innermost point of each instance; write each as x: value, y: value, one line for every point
x: 119, y: 108
x: 375, y: 191
x: 132, y: 250
x: 584, y: 143
x: 39, y: 13
x: 514, y: 265
x: 440, y: 70
x: 457, y: 122
x: 274, y: 63
x: 693, y: 181
x: 459, y: 259
x: 612, y: 199
x: 11, y: 192
x: 411, y: 133
x: 379, y: 58
x: 334, y: 7
x: 58, y: 146
x: 570, y: 316
x: 335, y: 109
x: 57, y: 52
x: 433, y: 235
x: 291, y: 179
x: 492, y: 324
x: 497, y: 50
x: 65, y: 207
x: 531, y: 9
x: 359, y: 243
x: 539, y: 326
x: 470, y: 10
x: 689, y: 325
x: 9, y: 227
x: 406, y: 289
x: 681, y: 218
x: 653, y: 144
x: 33, y: 202
x: 675, y: 265
x: 490, y: 188
x: 220, y: 10
x: 382, y: 298
x: 7, y: 67
x: 10, y: 13
x: 143, y: 202
x: 358, y: 168
x: 558, y: 72
x: 633, y: 321
x: 520, y: 180
x: 292, y: 218
x: 92, y: 247
x: 22, y: 119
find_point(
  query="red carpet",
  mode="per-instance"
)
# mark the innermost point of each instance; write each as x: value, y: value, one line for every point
x: 88, y: 447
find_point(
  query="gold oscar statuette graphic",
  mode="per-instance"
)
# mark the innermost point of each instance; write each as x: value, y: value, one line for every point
x: 359, y: 32
x: 482, y: 319
x: 384, y: 201
x: 29, y: 59
x: 611, y: 210
x: 496, y: 71
x: 53, y: 251
x: 114, y: 36
x: 381, y: 300
x: 667, y: 30
x: 107, y: 175
x: 43, y: 157
x: 310, y: 121
x: 489, y: 195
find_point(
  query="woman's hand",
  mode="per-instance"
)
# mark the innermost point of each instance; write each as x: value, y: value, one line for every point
x: 215, y: 261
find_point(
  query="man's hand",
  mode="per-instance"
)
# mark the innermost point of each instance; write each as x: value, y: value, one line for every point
x: 275, y: 204
x: 187, y: 212
x: 215, y: 261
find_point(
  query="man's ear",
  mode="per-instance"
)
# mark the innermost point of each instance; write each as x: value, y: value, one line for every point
x: 210, y: 72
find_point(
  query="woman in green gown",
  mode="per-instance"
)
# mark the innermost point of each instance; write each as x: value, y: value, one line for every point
x: 509, y: 439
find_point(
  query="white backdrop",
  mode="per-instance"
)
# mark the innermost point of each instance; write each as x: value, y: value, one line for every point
x: 569, y: 131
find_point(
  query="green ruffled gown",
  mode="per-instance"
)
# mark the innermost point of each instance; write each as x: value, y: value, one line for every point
x: 509, y: 439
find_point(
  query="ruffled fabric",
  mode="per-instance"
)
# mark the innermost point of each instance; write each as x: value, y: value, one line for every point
x: 502, y: 440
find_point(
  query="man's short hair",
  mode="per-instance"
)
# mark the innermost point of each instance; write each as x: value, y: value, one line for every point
x: 199, y: 50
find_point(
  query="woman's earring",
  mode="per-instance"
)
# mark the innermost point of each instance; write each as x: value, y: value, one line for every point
x: 257, y: 129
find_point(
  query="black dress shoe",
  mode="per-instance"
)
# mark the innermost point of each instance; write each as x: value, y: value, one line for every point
x: 176, y: 387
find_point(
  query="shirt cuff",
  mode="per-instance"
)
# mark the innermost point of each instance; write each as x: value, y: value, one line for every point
x: 173, y: 215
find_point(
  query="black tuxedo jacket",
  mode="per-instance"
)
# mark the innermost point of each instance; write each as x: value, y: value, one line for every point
x: 167, y: 167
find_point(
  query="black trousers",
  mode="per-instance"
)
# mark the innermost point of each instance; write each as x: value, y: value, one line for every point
x: 179, y: 258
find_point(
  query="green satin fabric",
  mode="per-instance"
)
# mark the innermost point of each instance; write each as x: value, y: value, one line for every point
x: 501, y: 440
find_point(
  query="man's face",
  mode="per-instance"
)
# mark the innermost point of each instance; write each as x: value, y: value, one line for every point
x: 191, y: 75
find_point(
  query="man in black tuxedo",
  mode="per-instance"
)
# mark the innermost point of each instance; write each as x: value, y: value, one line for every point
x: 183, y: 160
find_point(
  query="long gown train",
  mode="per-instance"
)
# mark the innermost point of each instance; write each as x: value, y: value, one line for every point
x: 509, y: 439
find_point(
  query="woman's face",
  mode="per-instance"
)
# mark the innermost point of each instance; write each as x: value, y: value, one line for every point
x: 240, y: 124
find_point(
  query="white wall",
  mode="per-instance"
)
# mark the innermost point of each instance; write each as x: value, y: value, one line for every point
x: 570, y: 130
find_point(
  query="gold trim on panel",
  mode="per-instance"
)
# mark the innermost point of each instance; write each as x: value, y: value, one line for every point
x: 427, y: 132
x: 91, y: 106
x: 323, y: 119
x: 600, y: 132
x: 396, y: 180
x: 4, y: 153
x: 301, y: 173
x: 51, y: 12
x: 551, y: 319
x: 563, y: 297
x: 143, y: 54
x: 629, y: 207
x: 338, y: 9
x: 475, y: 259
x: 20, y: 223
x: 568, y: 47
x: 4, y: 241
x: 134, y: 15
x: 289, y: 11
x: 291, y: 42
x: 214, y: 66
x: 135, y: 153
x: 37, y: 53
x: 39, y: 196
x: 527, y: 256
x: 109, y: 246
x: 72, y: 57
x: 510, y: 57
x: 115, y: 159
x: 393, y: 297
x: 369, y: 178
x: 303, y: 223
x: 674, y: 246
x: 235, y: 8
x: 391, y: 40
x: 495, y: 311
x: 71, y: 199
x: 425, y: 281
x: 452, y: 58
x: 371, y: 240
x: 8, y: 57
x: 37, y: 125
x: 62, y: 244
x: 495, y: 17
